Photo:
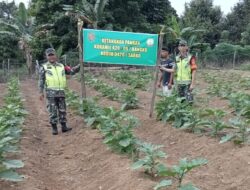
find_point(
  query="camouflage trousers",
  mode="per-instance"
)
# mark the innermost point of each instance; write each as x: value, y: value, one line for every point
x: 184, y: 91
x: 56, y: 107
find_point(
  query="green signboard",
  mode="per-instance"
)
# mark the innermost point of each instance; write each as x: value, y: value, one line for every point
x: 125, y: 48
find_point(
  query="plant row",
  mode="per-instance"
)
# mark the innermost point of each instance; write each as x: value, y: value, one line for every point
x: 212, y: 121
x: 127, y: 97
x: 231, y: 86
x: 11, y: 118
x: 117, y: 128
x: 224, y: 84
x: 136, y: 79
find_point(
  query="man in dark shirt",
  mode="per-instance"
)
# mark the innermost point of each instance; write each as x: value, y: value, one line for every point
x: 166, y: 78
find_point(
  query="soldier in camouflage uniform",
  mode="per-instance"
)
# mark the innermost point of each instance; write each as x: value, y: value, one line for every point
x: 185, y: 70
x: 52, y: 78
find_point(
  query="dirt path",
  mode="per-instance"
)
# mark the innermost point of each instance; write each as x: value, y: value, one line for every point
x: 74, y: 161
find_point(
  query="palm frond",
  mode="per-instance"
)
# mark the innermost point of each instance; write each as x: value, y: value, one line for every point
x: 7, y: 33
x: 173, y: 32
x: 175, y: 26
x: 9, y: 25
x: 186, y: 30
x: 191, y: 40
x: 87, y: 7
x: 68, y: 7
x: 99, y: 7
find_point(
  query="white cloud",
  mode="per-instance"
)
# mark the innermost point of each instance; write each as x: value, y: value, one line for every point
x: 225, y: 6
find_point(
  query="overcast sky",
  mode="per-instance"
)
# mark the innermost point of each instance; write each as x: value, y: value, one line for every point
x: 225, y: 5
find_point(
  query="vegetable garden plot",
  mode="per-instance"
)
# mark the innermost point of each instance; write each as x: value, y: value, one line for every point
x: 117, y: 129
x: 83, y: 159
x: 127, y: 96
x: 136, y: 79
x: 11, y: 117
x: 179, y: 143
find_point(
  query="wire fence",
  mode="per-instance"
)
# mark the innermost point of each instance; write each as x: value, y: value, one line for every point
x: 12, y: 67
x: 226, y: 55
x: 222, y: 56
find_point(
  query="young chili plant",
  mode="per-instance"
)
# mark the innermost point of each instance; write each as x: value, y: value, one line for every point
x: 179, y: 172
x: 242, y: 133
x: 215, y: 122
x: 150, y: 162
x: 117, y: 128
x: 129, y: 99
x: 174, y: 109
x: 193, y: 121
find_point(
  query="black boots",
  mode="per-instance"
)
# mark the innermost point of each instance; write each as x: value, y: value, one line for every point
x: 54, y: 129
x: 65, y: 128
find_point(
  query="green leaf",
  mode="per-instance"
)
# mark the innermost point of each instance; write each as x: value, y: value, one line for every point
x: 226, y: 138
x: 164, y: 171
x: 160, y: 154
x: 188, y: 186
x: 11, y: 176
x: 138, y: 164
x: 163, y: 183
x: 238, y: 141
x: 161, y: 168
x: 5, y: 140
x: 197, y: 162
x: 13, y: 164
x: 90, y: 121
x: 124, y: 106
x: 125, y: 142
x: 108, y: 139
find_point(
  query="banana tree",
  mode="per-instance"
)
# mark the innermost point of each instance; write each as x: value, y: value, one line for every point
x: 188, y: 33
x: 22, y: 28
x: 92, y: 14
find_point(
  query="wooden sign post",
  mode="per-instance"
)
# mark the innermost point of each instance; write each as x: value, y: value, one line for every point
x: 156, y: 74
x: 83, y: 87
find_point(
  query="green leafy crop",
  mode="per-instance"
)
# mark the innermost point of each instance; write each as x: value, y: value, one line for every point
x: 179, y: 172
x: 11, y: 117
x: 150, y: 162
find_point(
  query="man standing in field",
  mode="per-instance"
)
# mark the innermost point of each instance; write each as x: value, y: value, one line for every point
x: 166, y: 78
x: 52, y: 78
x: 185, y: 70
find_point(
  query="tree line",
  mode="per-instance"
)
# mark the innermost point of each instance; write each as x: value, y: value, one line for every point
x: 26, y: 32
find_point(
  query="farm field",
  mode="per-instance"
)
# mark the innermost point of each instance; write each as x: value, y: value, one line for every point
x: 125, y: 135
x: 80, y: 160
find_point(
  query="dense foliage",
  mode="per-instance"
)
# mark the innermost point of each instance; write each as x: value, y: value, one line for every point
x: 202, y: 24
x: 11, y: 118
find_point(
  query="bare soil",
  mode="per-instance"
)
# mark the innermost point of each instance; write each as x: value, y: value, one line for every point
x: 80, y: 161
